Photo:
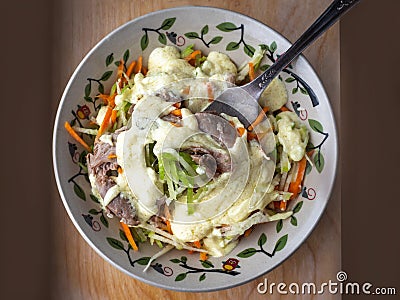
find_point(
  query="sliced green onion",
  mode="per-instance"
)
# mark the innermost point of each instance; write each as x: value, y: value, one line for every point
x: 115, y: 126
x: 113, y: 89
x: 171, y: 188
x: 180, y: 168
x: 285, y: 163
x: 138, y: 234
x: 134, y: 234
x: 184, y: 178
x: 159, y: 244
x: 124, y: 89
x: 189, y: 194
x: 187, y: 51
x: 174, y: 171
x: 188, y: 163
x: 84, y: 168
x: 149, y: 156
x: 199, y: 191
x: 151, y: 239
x: 168, y: 166
x: 161, y: 170
x: 127, y: 105
x: 200, y: 60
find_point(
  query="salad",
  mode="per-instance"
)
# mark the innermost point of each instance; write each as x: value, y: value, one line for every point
x: 180, y: 177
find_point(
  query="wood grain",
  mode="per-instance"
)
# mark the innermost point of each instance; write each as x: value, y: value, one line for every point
x: 79, y: 273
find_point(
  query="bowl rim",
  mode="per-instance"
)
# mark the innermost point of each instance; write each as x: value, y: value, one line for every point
x: 60, y: 187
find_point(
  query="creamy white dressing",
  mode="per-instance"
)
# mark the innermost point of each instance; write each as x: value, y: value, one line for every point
x: 218, y: 63
x: 122, y: 182
x: 275, y: 96
x: 218, y: 199
x: 292, y: 134
x: 125, y: 96
x: 107, y: 138
x: 167, y: 60
x: 234, y: 194
x: 131, y: 150
x: 217, y: 246
x: 256, y: 186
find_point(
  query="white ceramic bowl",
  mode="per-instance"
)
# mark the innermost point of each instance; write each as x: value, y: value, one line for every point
x: 209, y: 29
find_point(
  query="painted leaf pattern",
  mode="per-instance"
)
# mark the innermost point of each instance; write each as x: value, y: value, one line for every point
x: 226, y: 26
x: 281, y: 243
x: 79, y: 191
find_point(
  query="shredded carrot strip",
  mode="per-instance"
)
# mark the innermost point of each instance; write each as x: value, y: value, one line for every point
x: 197, y: 244
x: 105, y: 122
x: 129, y: 236
x: 72, y: 132
x: 111, y: 156
x: 210, y: 92
x: 259, y: 118
x: 258, y: 137
x: 295, y: 186
x: 168, y: 226
x: 193, y: 55
x: 175, y: 124
x: 252, y: 75
x: 177, y: 112
x: 114, y: 116
x: 144, y: 70
x: 203, y: 256
x: 248, y: 232
x: 103, y: 97
x: 120, y: 170
x: 282, y: 205
x: 241, y: 131
x: 111, y: 100
x: 139, y: 65
x: 130, y: 68
x: 194, y: 244
x: 284, y: 108
x: 177, y: 104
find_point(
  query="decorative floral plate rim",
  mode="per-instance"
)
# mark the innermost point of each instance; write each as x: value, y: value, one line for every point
x: 179, y: 263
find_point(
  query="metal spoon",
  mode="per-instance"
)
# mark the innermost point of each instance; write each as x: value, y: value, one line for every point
x: 243, y: 101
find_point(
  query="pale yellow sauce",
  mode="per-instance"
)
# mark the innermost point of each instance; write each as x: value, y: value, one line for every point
x: 251, y: 181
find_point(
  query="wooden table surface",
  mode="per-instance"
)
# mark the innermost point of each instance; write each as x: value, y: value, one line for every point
x: 79, y: 273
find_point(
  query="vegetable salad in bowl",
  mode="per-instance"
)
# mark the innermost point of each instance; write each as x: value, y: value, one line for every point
x: 184, y: 178
x: 172, y: 193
